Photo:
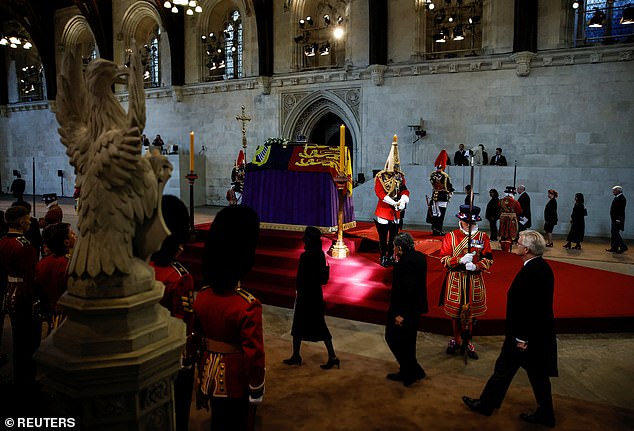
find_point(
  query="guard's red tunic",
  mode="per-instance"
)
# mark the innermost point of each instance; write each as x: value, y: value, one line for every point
x: 232, y: 321
x: 51, y: 277
x: 178, y: 298
x: 454, y: 246
x: 383, y: 210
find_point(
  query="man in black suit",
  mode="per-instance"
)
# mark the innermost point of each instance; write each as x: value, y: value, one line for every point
x: 461, y: 157
x: 498, y: 159
x: 617, y: 215
x: 530, y: 340
x: 408, y: 301
x: 525, y: 202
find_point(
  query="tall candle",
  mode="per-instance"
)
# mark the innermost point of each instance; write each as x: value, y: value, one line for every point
x: 191, y: 151
x: 342, y: 146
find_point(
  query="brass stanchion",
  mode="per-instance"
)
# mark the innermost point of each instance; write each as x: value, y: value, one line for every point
x: 338, y: 249
x: 191, y: 177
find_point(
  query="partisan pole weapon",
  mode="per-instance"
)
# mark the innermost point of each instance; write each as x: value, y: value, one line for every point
x: 465, y: 309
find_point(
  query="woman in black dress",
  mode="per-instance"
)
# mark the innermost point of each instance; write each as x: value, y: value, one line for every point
x: 577, y: 223
x: 550, y: 215
x: 308, y: 319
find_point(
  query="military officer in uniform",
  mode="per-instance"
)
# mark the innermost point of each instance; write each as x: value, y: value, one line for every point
x: 442, y: 189
x: 393, y: 196
x: 464, y: 293
x: 18, y: 259
x: 50, y: 273
x: 178, y: 298
x: 229, y: 321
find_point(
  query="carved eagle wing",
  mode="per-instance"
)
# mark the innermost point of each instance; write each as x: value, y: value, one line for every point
x: 72, y: 110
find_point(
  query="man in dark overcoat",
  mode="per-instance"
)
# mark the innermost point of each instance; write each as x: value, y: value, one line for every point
x: 408, y: 301
x: 530, y: 340
x: 617, y: 218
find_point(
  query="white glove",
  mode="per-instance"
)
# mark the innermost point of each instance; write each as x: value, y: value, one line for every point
x: 401, y: 205
x: 388, y: 200
x: 467, y: 258
x: 470, y: 266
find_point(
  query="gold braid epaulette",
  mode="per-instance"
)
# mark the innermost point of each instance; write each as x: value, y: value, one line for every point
x: 244, y: 294
x: 22, y: 240
x: 390, y: 181
x: 179, y: 268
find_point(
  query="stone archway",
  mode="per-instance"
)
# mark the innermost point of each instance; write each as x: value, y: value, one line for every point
x: 302, y: 112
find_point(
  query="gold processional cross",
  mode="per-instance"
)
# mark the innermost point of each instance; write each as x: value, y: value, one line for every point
x: 244, y: 119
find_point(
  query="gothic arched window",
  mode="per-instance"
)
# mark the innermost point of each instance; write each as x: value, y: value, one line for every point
x: 233, y: 46
x: 151, y: 61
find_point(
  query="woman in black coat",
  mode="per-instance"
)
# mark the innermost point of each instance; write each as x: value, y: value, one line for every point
x: 309, y: 323
x: 550, y: 215
x: 577, y: 223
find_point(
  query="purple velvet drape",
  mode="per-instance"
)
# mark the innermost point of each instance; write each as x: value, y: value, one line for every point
x: 301, y: 198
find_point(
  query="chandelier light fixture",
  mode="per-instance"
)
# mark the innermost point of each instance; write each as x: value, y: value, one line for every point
x: 15, y: 41
x: 190, y: 6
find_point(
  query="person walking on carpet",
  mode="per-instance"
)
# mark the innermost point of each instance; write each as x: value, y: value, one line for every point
x: 577, y: 223
x: 309, y: 323
x: 550, y: 215
x: 408, y: 301
x: 530, y: 340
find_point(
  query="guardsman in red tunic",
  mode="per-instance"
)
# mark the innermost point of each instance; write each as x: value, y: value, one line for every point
x: 229, y: 321
x: 442, y: 190
x: 464, y: 294
x: 510, y: 210
x: 393, y: 196
x: 18, y: 259
x: 50, y: 273
x: 178, y: 298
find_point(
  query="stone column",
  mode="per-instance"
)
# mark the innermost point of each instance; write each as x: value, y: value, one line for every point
x: 113, y: 361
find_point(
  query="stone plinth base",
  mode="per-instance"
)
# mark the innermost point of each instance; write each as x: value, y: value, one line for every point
x: 113, y: 361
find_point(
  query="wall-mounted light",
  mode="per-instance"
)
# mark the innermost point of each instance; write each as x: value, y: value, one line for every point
x: 327, y: 19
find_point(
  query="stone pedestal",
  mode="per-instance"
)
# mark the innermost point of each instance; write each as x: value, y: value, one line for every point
x: 114, y: 359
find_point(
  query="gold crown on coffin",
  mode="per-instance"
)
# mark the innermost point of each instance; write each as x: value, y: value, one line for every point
x: 393, y: 163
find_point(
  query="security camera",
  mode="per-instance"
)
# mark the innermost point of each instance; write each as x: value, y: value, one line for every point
x: 421, y: 132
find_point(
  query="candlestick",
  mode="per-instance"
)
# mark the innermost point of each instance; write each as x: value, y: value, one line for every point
x: 191, y: 151
x: 342, y: 145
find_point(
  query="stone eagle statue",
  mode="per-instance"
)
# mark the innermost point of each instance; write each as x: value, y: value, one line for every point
x: 120, y: 189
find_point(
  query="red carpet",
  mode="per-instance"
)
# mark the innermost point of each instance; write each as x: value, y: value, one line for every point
x: 586, y: 300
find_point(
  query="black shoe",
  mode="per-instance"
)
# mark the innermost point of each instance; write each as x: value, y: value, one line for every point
x: 452, y: 347
x: 477, y: 406
x: 385, y: 261
x: 419, y: 375
x: 332, y: 362
x: 293, y: 360
x: 611, y: 250
x: 395, y: 377
x: 621, y: 250
x: 536, y: 418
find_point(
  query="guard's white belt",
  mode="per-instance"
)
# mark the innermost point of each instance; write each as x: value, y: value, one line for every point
x: 14, y: 279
